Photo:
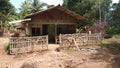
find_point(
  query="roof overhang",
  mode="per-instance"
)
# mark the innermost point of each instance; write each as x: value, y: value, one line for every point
x: 19, y: 21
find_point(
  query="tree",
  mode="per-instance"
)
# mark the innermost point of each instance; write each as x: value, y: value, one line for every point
x: 30, y: 6
x: 24, y: 10
x: 6, y: 8
x: 92, y: 10
x: 114, y: 27
x: 36, y: 5
x: 105, y: 9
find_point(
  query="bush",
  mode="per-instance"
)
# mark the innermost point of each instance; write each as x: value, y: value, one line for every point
x: 108, y: 36
x: 112, y: 30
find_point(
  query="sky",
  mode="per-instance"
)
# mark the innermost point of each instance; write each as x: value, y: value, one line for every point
x: 17, y: 3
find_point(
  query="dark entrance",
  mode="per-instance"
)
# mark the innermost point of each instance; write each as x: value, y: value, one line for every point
x: 50, y: 31
x: 45, y: 30
x: 35, y: 31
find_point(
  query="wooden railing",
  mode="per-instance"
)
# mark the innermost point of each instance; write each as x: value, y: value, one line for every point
x: 28, y: 44
x: 79, y: 39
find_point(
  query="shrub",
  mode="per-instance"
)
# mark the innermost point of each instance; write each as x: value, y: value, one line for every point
x: 6, y: 48
x: 108, y: 36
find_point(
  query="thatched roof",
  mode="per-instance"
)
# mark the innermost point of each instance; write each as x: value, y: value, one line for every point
x: 60, y: 8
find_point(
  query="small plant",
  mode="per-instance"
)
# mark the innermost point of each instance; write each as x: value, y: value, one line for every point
x: 71, y: 50
x: 107, y: 36
x: 6, y: 48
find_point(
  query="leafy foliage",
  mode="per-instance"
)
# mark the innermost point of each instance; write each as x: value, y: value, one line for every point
x: 6, y: 10
x: 114, y: 25
x: 36, y: 6
x: 24, y: 10
x: 92, y: 10
x: 30, y: 6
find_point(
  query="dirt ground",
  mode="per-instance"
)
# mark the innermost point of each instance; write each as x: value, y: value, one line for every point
x: 87, y: 57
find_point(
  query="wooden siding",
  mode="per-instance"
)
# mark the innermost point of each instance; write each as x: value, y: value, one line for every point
x: 59, y: 8
x: 53, y: 16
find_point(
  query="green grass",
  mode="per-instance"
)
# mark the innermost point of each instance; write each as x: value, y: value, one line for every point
x: 71, y: 50
x: 114, y: 46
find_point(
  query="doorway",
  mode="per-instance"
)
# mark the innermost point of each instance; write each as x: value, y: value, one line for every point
x: 45, y: 29
x: 50, y: 31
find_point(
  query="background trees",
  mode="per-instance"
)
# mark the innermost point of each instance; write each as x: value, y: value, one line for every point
x: 92, y: 10
x: 7, y: 11
x: 30, y: 6
x: 36, y: 5
x: 97, y: 10
x: 114, y: 24
x: 24, y: 9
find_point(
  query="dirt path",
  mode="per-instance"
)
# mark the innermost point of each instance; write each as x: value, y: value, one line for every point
x: 16, y: 61
x: 3, y: 42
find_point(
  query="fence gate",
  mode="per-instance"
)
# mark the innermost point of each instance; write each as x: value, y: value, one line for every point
x: 28, y: 44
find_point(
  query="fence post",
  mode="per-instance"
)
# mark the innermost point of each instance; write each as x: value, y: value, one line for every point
x: 60, y: 39
x: 10, y: 46
x: 47, y: 41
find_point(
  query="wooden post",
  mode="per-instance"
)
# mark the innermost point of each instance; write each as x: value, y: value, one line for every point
x: 47, y: 41
x: 60, y: 38
x: 55, y: 34
x: 41, y: 29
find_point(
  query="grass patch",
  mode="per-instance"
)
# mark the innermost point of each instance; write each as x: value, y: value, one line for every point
x: 71, y: 50
x: 113, y: 45
x: 107, y: 36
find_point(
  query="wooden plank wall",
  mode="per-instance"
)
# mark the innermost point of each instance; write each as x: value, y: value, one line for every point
x: 28, y: 44
x: 54, y: 15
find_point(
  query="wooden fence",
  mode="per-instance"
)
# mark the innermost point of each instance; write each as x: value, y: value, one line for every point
x: 79, y: 39
x: 28, y: 44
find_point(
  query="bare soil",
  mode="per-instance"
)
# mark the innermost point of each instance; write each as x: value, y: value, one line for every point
x: 87, y: 57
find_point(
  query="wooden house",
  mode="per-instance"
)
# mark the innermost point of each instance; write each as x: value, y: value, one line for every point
x: 52, y: 22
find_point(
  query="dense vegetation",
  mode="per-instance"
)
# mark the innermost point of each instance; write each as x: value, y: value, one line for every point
x: 97, y: 11
x: 7, y: 11
x: 92, y: 10
x: 114, y: 23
